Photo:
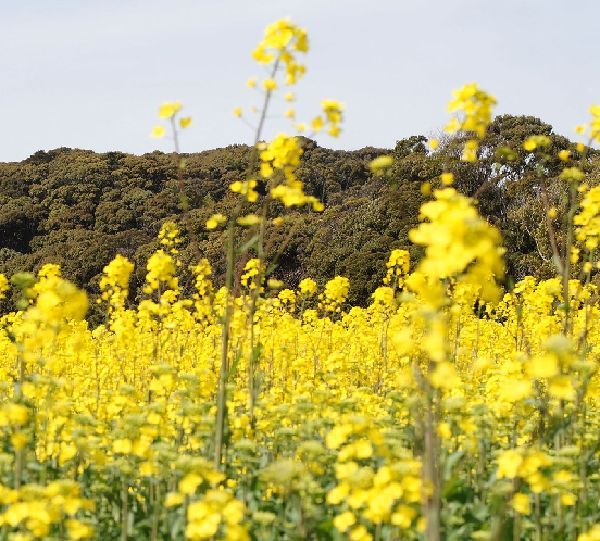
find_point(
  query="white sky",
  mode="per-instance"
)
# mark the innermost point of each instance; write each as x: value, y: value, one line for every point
x: 91, y: 73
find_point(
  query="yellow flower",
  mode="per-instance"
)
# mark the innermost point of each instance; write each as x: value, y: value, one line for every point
x: 157, y: 132
x: 249, y: 220
x: 335, y: 294
x: 148, y: 469
x: 456, y: 240
x: 307, y: 287
x: 169, y: 109
x: 529, y: 144
x: 543, y: 366
x: 4, y: 286
x: 380, y: 164
x: 233, y: 512
x: 572, y: 174
x: 444, y: 431
x: 561, y: 387
x: 185, y: 121
x: 246, y: 188
x: 536, y: 141
x: 403, y: 516
x: 173, y: 499
x: 189, y: 483
x: 360, y: 533
x: 470, y: 151
x: 521, y: 503
x: 78, y: 530
x: 476, y: 105
x: 19, y: 440
x: 363, y: 449
x: 18, y: 414
x: 343, y: 521
x: 269, y: 85
x: 516, y: 391
x: 444, y: 375
x: 333, y: 112
x: 282, y: 42
x: 317, y: 123
x: 122, y: 446
x: 509, y: 463
x: 204, y: 529
x: 336, y: 495
x: 447, y: 179
x: 215, y: 221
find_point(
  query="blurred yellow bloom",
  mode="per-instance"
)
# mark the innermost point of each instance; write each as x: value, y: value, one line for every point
x: 122, y: 446
x: 317, y: 123
x: 269, y: 85
x: 157, y: 132
x: 249, y: 220
x: 381, y: 164
x: 169, y: 109
x: 215, y: 221
x: 343, y: 521
x: 521, y: 503
x: 447, y: 179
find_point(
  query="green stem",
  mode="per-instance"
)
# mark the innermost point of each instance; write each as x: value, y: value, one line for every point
x: 124, y: 510
x: 567, y: 263
x: 431, y: 485
x: 224, y: 368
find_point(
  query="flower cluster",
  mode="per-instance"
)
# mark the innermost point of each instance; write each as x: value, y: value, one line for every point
x: 458, y: 244
x: 282, y: 41
x: 397, y: 266
x: 474, y: 106
x: 587, y: 221
x: 335, y: 294
x: 331, y: 119
x: 169, y: 111
x: 114, y: 283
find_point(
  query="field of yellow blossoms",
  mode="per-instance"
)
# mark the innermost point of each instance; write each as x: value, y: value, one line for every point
x: 449, y: 408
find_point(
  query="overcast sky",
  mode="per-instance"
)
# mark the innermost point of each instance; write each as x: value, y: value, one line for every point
x: 91, y: 73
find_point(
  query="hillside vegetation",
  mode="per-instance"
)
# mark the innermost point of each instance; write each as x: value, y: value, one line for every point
x: 79, y: 208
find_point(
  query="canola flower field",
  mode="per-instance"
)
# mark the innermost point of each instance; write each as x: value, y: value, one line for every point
x: 449, y: 408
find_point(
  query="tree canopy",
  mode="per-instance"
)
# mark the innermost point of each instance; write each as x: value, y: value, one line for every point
x: 79, y: 208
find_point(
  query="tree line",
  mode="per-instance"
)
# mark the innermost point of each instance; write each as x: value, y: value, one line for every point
x: 79, y: 208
